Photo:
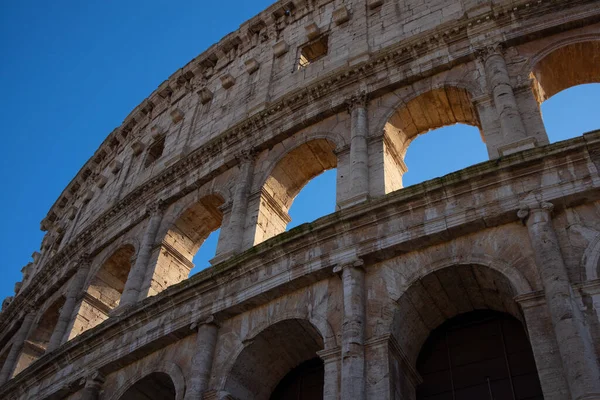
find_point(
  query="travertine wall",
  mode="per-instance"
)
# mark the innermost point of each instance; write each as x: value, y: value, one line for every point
x: 229, y: 140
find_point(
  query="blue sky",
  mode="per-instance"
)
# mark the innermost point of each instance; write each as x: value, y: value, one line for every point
x: 73, y: 70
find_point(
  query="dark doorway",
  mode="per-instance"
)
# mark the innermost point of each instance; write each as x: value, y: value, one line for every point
x: 481, y: 355
x: 305, y: 382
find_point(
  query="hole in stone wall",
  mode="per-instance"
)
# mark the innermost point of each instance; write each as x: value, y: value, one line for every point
x: 572, y: 112
x: 441, y: 129
x: 191, y: 241
x: 38, y: 340
x: 313, y: 51
x: 289, y: 176
x: 155, y: 151
x: 104, y: 292
x: 443, y: 151
x: 206, y: 253
x: 315, y: 200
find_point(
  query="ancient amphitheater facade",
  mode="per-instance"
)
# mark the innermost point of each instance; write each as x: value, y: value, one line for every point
x: 483, y: 284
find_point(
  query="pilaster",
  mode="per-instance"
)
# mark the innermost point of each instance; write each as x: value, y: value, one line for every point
x: 574, y: 342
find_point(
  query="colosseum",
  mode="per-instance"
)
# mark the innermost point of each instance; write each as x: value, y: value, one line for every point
x: 482, y: 284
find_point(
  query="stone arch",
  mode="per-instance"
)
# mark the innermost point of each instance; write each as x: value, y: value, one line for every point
x: 104, y: 288
x: 464, y: 79
x: 319, y: 322
x: 514, y: 276
x: 184, y: 228
x: 284, y: 177
x: 272, y: 352
x: 563, y: 64
x: 280, y: 152
x: 590, y: 261
x: 170, y: 369
x: 38, y: 339
x: 444, y: 292
x: 415, y: 110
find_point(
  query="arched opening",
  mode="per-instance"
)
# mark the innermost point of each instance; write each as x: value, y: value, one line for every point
x: 566, y: 84
x: 456, y: 143
x: 104, y: 292
x: 279, y: 361
x: 37, y: 342
x: 305, y: 382
x: 467, y: 292
x: 286, y: 180
x: 180, y: 250
x: 478, y: 355
x: 156, y: 386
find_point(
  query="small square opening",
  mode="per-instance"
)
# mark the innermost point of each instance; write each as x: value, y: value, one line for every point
x: 155, y: 151
x: 312, y: 51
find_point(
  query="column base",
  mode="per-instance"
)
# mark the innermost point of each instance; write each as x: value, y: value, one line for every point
x: 222, y: 257
x: 515, y: 147
x: 355, y: 200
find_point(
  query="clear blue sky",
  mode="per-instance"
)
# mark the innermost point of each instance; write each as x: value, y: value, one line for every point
x: 73, y: 70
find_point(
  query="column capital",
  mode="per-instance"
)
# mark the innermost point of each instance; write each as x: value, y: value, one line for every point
x: 156, y: 207
x: 544, y: 208
x: 246, y: 156
x: 94, y: 380
x: 485, y: 52
x: 85, y: 260
x: 211, y: 321
x: 357, y: 263
x: 330, y: 355
x: 358, y: 100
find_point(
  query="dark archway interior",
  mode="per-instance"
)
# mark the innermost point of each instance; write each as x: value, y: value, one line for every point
x: 479, y: 355
x: 305, y: 382
x: 270, y: 356
x: 156, y: 386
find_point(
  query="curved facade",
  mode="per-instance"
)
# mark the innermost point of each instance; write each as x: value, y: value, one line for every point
x: 372, y: 302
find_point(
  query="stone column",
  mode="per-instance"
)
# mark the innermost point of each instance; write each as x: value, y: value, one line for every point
x: 93, y: 386
x: 137, y: 275
x: 66, y: 312
x: 359, y: 150
x: 574, y: 342
x: 231, y: 242
x: 502, y: 93
x: 331, y: 361
x: 17, y: 345
x: 202, y: 361
x: 544, y: 345
x: 353, y: 331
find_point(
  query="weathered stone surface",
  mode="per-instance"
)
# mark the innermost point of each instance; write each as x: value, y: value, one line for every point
x: 107, y: 311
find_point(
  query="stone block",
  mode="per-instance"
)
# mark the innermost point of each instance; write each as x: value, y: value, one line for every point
x: 205, y: 95
x: 312, y: 31
x: 227, y: 81
x: 176, y: 115
x: 341, y: 15
x: 251, y: 66
x: 280, y: 48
